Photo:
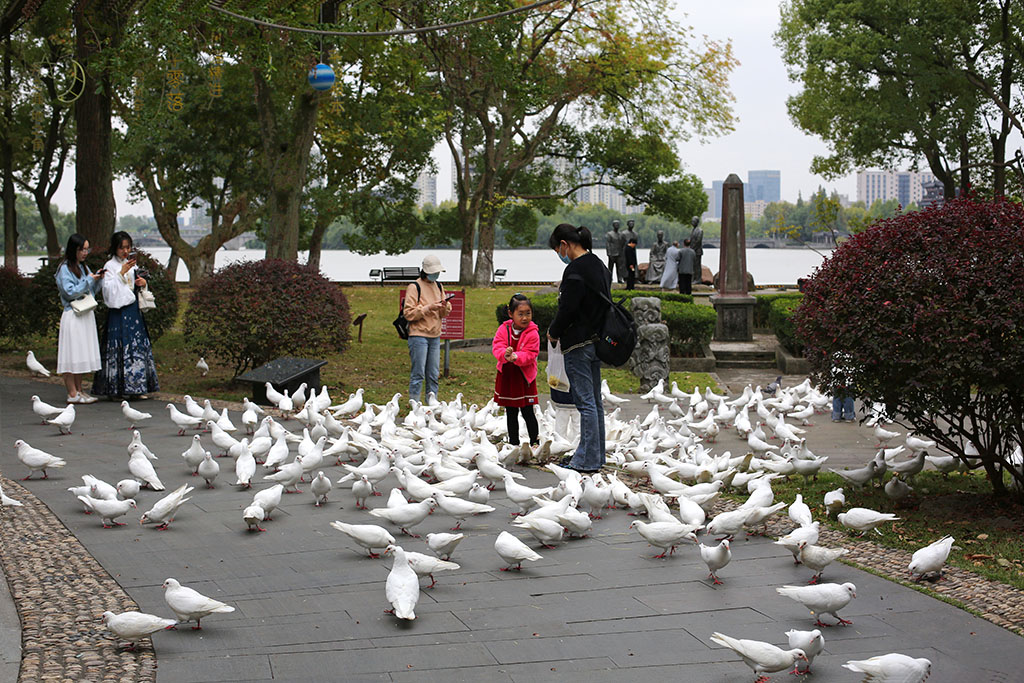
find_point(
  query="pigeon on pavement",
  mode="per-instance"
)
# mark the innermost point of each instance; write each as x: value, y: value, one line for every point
x: 191, y: 605
x: 931, y: 558
x: 716, y: 557
x: 37, y: 460
x: 892, y: 668
x: 369, y: 536
x: 811, y: 642
x: 44, y: 410
x: 132, y: 626
x: 165, y: 508
x: 443, y: 545
x: 403, y: 586
x: 513, y: 551
x: 35, y: 366
x: 132, y: 415
x: 823, y: 598
x: 763, y: 658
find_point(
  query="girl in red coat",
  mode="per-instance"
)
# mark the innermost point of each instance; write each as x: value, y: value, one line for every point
x: 516, y: 345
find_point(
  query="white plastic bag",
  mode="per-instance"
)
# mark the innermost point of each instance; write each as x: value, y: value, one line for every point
x: 557, y: 379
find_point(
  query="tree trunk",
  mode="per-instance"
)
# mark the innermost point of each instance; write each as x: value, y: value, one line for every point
x: 49, y: 225
x: 965, y: 163
x: 172, y: 265
x: 485, y: 251
x: 7, y: 155
x: 468, y: 221
x: 286, y: 150
x: 316, y: 240
x: 95, y: 210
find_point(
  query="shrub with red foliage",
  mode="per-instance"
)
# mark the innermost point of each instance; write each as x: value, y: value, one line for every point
x: 252, y: 312
x: 16, y: 307
x: 926, y: 313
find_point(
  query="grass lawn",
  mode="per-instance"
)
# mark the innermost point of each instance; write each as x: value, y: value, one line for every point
x: 380, y: 364
x: 988, y: 532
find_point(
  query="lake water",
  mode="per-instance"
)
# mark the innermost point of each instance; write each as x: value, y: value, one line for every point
x: 768, y: 266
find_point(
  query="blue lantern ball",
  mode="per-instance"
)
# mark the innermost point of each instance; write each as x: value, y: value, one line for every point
x: 321, y: 77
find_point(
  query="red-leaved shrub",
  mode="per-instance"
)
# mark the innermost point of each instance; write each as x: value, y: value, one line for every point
x: 249, y: 313
x: 926, y: 312
x: 16, y: 307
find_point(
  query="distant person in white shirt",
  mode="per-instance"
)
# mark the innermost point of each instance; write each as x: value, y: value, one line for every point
x: 670, y: 276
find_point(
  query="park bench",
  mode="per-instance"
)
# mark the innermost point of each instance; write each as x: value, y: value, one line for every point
x: 283, y: 374
x: 406, y: 274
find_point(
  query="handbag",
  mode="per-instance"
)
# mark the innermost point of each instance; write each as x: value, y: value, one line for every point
x: 84, y: 304
x: 147, y: 301
x: 400, y: 323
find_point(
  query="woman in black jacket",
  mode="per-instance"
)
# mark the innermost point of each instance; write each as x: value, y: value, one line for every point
x: 581, y: 310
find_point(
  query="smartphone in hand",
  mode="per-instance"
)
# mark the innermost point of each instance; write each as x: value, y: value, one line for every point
x: 449, y: 296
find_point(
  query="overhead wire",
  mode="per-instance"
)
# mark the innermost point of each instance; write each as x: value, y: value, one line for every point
x: 393, y: 32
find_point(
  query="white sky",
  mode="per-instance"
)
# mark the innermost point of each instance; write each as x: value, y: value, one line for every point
x: 764, y: 137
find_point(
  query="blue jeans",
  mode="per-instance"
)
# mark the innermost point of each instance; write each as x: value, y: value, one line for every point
x: 842, y: 407
x: 425, y: 355
x: 584, y: 371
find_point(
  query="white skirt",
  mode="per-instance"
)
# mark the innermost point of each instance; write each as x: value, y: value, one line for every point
x: 78, y: 344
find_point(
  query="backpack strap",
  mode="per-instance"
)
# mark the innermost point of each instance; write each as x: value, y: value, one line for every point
x: 599, y: 292
x: 419, y: 294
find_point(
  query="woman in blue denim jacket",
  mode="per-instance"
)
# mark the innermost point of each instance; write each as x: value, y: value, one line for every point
x: 78, y: 344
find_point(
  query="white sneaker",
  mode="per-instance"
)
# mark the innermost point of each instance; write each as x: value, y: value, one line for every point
x: 74, y: 399
x: 86, y: 398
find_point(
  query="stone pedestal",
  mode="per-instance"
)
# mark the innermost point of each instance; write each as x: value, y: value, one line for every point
x: 735, y: 317
x: 650, y: 359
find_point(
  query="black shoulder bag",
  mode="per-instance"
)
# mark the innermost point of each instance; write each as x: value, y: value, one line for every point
x: 616, y: 336
x: 400, y: 323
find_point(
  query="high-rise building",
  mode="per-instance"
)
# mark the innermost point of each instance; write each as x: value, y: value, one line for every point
x: 426, y: 188
x: 763, y: 186
x: 906, y: 187
x: 708, y: 213
x: 754, y: 209
x: 716, y: 197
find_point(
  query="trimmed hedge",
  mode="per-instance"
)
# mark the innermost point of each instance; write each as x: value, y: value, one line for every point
x: 16, y: 307
x: 690, y: 325
x: 780, y: 319
x: 253, y: 312
x: 158, y: 320
x: 763, y: 302
x: 545, y: 305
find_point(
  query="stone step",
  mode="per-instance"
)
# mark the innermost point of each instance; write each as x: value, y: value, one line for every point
x: 762, y: 355
x: 750, y: 364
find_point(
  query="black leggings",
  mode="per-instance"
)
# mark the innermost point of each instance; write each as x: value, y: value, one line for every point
x: 512, y: 416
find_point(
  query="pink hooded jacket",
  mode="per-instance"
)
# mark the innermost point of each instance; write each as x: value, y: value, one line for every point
x: 526, y: 350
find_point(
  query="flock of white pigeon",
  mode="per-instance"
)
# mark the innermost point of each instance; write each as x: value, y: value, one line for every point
x: 445, y: 457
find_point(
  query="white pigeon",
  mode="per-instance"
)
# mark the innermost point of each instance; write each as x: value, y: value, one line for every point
x: 320, y: 487
x: 352, y: 406
x: 252, y: 515
x: 427, y: 565
x: 245, y: 467
x: 883, y: 435
x: 133, y: 626
x: 181, y: 420
x: 208, y: 469
x: 35, y: 366
x: 546, y: 531
x: 7, y: 501
x: 792, y: 540
x: 224, y: 422
x: 195, y: 454
x: 273, y: 395
x: 44, y: 410
x: 191, y: 605
x: 931, y: 558
x: 403, y: 586
x: 362, y: 489
x: 99, y: 488
x: 132, y: 415
x: 822, y: 598
x: 479, y: 494
x: 513, y: 551
x: 715, y: 558
x: 128, y: 488
x: 916, y: 443
x: 811, y: 642
x: 289, y: 475
x: 408, y: 515
x: 763, y: 658
x: 818, y: 557
x: 36, y: 460
x: 268, y: 499
x: 865, y: 519
x: 664, y: 535
x: 163, y: 510
x: 459, y: 509
x: 835, y: 501
x: 892, y: 668
x: 443, y: 545
x: 202, y: 366
x: 369, y: 536
x: 799, y: 512
x: 141, y: 468
x: 108, y: 510
x: 65, y: 419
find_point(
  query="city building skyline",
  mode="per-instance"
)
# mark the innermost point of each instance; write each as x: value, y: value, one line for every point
x: 906, y: 187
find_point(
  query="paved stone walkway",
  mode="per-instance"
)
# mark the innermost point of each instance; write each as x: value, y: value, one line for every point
x: 309, y: 606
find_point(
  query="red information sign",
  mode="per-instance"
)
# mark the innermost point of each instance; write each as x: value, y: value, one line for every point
x: 453, y: 325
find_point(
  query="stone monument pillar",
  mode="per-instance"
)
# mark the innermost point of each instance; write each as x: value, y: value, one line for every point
x: 732, y: 302
x: 650, y: 359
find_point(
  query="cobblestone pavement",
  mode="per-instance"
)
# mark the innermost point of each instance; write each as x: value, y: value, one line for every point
x: 309, y: 604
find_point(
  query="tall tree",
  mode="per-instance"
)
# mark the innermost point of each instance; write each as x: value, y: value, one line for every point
x: 894, y: 81
x: 515, y: 85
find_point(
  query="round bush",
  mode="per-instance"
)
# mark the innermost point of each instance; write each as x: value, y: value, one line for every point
x: 46, y: 300
x: 924, y: 312
x: 247, y: 314
x: 16, y: 307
